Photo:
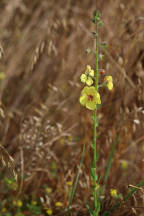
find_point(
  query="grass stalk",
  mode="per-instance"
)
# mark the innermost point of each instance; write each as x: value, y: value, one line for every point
x: 75, y: 182
x: 110, y: 159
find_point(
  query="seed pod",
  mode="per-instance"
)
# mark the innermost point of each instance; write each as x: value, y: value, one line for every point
x: 102, y: 72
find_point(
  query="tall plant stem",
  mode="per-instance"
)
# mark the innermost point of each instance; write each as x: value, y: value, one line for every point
x: 95, y: 129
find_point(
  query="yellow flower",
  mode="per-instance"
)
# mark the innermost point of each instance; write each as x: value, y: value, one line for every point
x: 90, y: 98
x: 18, y: 203
x: 70, y: 138
x: 88, y: 68
x: 86, y: 79
x: 69, y: 183
x: 109, y: 82
x: 124, y: 164
x: 34, y: 202
x: 83, y: 78
x: 2, y: 75
x: 58, y: 204
x: 62, y: 140
x: 87, y: 76
x: 49, y: 211
x: 108, y: 78
x: 48, y: 190
x: 113, y: 192
x: 89, y: 81
x: 3, y: 210
x: 110, y: 86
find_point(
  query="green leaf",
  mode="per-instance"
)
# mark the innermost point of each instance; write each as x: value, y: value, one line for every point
x: 97, y: 14
x: 96, y: 122
x: 90, y: 210
x: 93, y: 171
x: 101, y: 23
x: 76, y: 181
x: 92, y: 117
x: 110, y: 159
x: 92, y: 145
x: 97, y: 210
x: 93, y: 20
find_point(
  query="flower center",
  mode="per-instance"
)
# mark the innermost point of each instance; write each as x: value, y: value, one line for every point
x: 90, y: 97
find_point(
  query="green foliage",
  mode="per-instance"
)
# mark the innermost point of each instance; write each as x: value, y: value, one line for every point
x: 76, y: 181
x: 8, y: 214
x: 110, y: 159
x: 34, y: 209
x: 19, y: 214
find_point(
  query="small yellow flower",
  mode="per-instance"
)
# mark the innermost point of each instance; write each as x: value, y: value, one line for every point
x: 34, y: 202
x: 49, y: 211
x: 3, y: 210
x: 124, y: 164
x: 62, y: 140
x: 48, y: 190
x: 86, y: 79
x: 108, y: 78
x: 87, y: 76
x: 91, y: 73
x: 2, y: 76
x: 69, y: 183
x: 110, y: 86
x: 70, y: 138
x: 113, y: 192
x: 58, y: 204
x: 88, y: 68
x: 53, y: 165
x: 90, y: 97
x: 89, y: 81
x: 83, y: 78
x: 18, y: 203
x: 109, y: 82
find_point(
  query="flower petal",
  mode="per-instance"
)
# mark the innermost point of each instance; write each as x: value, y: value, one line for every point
x: 83, y: 99
x: 83, y: 78
x: 110, y: 85
x: 97, y: 99
x: 89, y: 81
x: 88, y: 68
x: 91, y: 105
x: 91, y: 73
x: 85, y: 90
x: 108, y: 78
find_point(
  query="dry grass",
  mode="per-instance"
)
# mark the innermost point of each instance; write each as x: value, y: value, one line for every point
x: 42, y: 124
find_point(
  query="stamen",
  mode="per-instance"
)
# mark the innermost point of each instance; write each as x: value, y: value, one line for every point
x: 90, y: 97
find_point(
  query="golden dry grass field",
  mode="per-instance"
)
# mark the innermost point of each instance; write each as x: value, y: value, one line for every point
x: 43, y: 126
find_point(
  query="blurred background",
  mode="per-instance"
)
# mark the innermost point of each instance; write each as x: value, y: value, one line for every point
x: 42, y: 125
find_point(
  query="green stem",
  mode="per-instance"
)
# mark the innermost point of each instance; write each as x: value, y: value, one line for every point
x: 97, y: 69
x: 95, y: 159
x: 95, y: 129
